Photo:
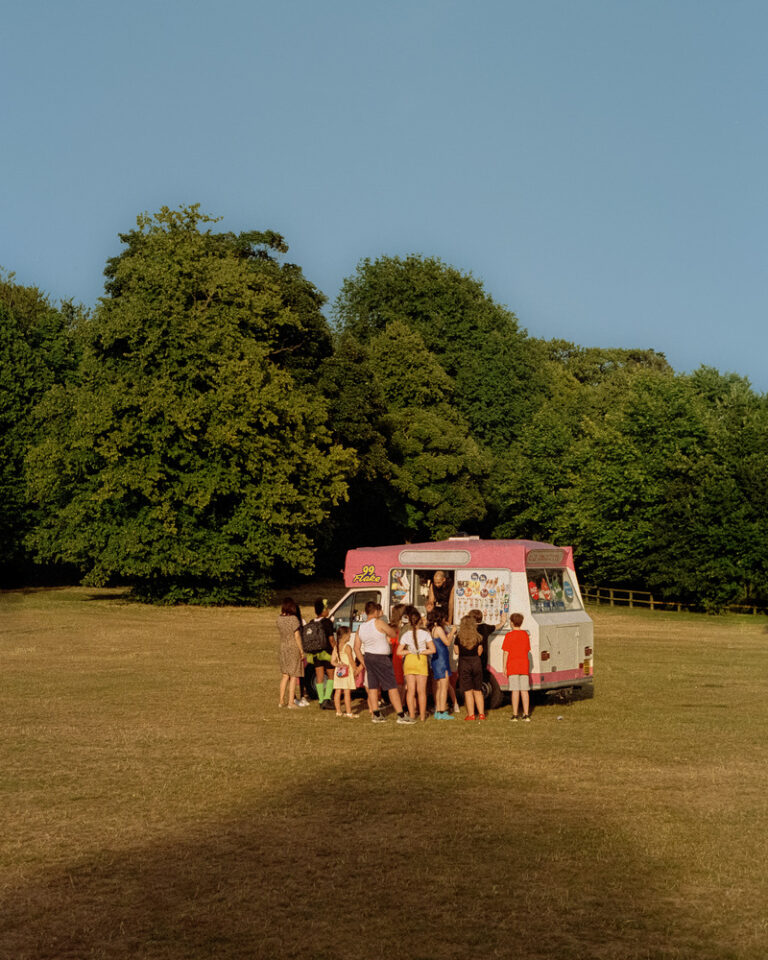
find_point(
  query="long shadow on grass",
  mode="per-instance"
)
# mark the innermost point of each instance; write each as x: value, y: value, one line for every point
x: 362, y: 864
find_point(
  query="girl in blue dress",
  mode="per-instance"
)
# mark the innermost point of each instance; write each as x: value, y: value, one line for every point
x: 441, y: 661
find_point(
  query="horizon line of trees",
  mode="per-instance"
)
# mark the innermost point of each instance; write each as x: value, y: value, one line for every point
x: 206, y: 431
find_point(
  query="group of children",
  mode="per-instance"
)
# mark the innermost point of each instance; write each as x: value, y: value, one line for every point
x: 399, y: 655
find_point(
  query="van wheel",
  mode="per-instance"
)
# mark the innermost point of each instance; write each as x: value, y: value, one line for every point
x: 492, y: 692
x: 310, y: 682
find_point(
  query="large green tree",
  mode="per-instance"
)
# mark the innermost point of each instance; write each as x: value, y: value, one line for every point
x: 493, y: 364
x: 358, y: 420
x: 532, y: 479
x: 36, y: 352
x: 665, y: 488
x: 437, y: 468
x: 186, y: 459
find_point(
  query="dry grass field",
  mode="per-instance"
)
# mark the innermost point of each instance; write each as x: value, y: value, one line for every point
x: 154, y: 802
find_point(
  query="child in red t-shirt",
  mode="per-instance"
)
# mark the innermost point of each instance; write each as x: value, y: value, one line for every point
x: 517, y: 643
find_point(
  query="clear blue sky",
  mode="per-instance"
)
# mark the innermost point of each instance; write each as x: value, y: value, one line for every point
x: 601, y: 165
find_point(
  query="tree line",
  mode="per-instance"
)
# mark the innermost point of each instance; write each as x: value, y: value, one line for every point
x: 206, y: 430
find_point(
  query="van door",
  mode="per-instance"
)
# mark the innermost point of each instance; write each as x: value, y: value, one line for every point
x: 565, y: 650
x: 350, y: 610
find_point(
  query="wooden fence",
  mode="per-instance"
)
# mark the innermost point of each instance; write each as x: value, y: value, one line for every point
x: 619, y: 597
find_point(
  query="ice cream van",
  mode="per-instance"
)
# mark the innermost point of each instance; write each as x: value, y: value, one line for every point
x: 497, y: 577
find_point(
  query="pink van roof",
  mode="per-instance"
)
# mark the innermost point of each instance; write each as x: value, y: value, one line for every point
x: 452, y: 555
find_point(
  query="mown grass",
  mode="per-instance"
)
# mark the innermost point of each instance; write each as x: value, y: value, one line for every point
x: 154, y: 802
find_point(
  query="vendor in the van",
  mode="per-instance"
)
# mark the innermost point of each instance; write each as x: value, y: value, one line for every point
x: 440, y: 595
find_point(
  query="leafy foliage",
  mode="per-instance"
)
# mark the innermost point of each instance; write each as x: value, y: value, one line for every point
x: 357, y: 417
x: 436, y: 465
x: 36, y: 351
x: 493, y: 364
x: 205, y: 429
x: 657, y: 492
x: 185, y: 460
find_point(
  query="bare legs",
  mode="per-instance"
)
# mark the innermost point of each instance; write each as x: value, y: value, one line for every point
x: 416, y: 689
x: 441, y: 695
x: 394, y: 699
x: 347, y: 701
x: 290, y: 682
x: 517, y: 695
x: 473, y: 701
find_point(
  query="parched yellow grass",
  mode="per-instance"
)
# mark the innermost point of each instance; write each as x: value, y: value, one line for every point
x: 155, y: 803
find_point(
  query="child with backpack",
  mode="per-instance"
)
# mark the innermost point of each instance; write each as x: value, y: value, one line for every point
x: 317, y: 636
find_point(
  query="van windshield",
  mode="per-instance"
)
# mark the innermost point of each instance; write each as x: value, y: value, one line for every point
x: 551, y: 590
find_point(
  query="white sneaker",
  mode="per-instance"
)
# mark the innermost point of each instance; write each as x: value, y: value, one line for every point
x: 301, y: 703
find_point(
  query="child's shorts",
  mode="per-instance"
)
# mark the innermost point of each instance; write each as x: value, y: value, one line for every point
x: 379, y: 672
x: 471, y: 674
x: 519, y: 681
x: 414, y: 665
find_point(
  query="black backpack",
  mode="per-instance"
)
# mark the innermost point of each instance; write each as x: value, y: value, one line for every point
x: 314, y: 637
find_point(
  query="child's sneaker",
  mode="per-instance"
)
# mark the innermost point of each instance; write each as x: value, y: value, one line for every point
x: 377, y: 718
x: 469, y: 716
x: 406, y: 719
x: 481, y: 716
x: 513, y: 718
x: 439, y: 715
x: 526, y: 718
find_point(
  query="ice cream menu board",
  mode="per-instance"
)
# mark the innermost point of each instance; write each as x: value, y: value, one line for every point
x: 484, y: 590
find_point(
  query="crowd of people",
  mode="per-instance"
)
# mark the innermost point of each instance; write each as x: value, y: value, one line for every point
x: 398, y: 657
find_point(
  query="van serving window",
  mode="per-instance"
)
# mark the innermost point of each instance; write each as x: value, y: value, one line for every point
x: 436, y: 559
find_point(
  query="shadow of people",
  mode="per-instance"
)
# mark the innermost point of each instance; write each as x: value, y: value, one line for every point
x: 402, y: 858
